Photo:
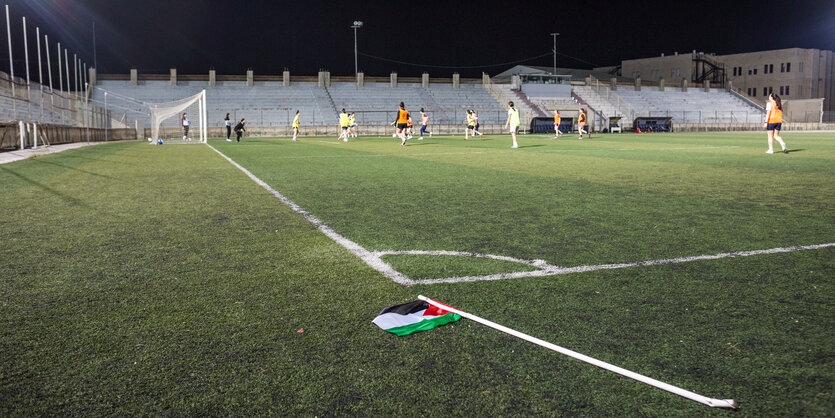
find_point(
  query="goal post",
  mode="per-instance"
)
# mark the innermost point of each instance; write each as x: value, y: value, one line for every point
x: 163, y: 111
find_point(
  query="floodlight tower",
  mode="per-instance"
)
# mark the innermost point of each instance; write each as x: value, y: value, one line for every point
x: 555, y: 53
x: 357, y: 24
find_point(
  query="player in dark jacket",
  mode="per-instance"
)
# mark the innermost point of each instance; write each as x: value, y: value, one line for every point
x: 240, y: 129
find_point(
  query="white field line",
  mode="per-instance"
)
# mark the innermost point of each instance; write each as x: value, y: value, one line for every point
x: 554, y: 270
x: 372, y: 260
x: 429, y: 154
x: 375, y: 261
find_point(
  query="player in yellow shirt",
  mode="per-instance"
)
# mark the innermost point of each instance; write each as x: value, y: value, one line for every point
x: 557, y: 124
x: 296, y: 126
x: 474, y: 117
x: 409, y: 127
x: 469, y: 131
x: 343, y: 126
x: 352, y: 124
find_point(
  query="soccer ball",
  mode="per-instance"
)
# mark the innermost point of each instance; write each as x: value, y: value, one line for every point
x: 159, y: 142
x: 394, y: 135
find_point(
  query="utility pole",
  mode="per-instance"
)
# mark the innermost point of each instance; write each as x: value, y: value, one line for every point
x: 357, y: 24
x: 555, y: 54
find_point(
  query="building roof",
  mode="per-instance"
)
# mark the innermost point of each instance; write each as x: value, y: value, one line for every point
x: 575, y: 73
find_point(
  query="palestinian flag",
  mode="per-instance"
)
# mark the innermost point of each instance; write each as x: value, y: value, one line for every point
x: 412, y: 317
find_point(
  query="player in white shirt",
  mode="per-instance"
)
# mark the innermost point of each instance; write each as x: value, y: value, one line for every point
x: 512, y: 123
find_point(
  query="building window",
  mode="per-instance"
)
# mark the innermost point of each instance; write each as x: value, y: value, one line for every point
x: 782, y: 67
x: 749, y: 71
x: 771, y: 68
x: 781, y: 90
x: 765, y: 91
x: 734, y: 71
x: 788, y: 67
x: 755, y: 71
x: 765, y: 69
x: 787, y: 90
x: 754, y: 92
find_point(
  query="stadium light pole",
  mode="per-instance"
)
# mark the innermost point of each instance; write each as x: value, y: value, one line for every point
x: 555, y: 54
x: 357, y: 24
x: 11, y: 63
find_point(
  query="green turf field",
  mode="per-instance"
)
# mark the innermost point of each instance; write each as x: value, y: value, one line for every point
x: 142, y: 279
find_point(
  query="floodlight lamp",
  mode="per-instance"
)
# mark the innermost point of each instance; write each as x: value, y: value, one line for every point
x: 357, y: 24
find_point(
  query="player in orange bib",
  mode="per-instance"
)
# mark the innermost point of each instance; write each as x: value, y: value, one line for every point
x: 582, y: 122
x: 402, y: 122
x: 424, y: 123
x: 773, y: 122
x: 556, y: 124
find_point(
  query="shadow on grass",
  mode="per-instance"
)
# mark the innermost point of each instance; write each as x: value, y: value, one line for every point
x: 531, y: 146
x: 69, y: 199
x: 794, y: 150
x: 42, y: 161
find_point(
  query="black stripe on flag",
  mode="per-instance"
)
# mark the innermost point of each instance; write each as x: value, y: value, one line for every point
x: 406, y: 308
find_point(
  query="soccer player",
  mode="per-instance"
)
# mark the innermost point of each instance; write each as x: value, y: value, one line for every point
x: 424, y: 123
x: 401, y: 122
x: 512, y: 122
x: 581, y: 123
x: 352, y: 124
x: 469, y: 132
x: 409, y: 127
x: 343, y: 126
x: 228, y: 123
x: 556, y: 124
x: 773, y: 122
x: 184, y: 123
x: 475, y: 123
x: 240, y: 128
x: 296, y: 126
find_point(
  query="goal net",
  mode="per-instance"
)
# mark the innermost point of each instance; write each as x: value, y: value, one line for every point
x: 170, y: 115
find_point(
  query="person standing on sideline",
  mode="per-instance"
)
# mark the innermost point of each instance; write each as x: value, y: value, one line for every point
x: 582, y: 122
x: 557, y: 124
x: 296, y: 126
x: 402, y: 122
x: 512, y: 122
x: 228, y: 123
x: 240, y: 128
x: 424, y: 123
x: 184, y: 123
x: 343, y: 126
x: 773, y: 122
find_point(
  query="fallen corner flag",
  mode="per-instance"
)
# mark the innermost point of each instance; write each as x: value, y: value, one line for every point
x: 413, y: 317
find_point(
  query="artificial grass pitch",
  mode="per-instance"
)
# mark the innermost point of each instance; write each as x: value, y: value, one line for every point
x: 141, y: 279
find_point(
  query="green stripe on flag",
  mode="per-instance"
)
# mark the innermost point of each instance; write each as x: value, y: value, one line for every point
x: 424, y: 325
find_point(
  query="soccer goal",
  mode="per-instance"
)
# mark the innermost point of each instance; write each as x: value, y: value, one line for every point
x: 195, y: 109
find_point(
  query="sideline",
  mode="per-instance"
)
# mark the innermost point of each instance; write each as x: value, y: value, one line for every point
x: 17, y: 155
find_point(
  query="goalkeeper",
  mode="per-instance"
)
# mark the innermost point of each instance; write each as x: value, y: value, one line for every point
x: 240, y: 128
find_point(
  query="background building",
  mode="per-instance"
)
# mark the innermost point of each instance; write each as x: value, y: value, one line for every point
x: 796, y: 74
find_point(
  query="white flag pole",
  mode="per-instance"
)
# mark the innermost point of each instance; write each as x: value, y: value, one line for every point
x: 715, y: 403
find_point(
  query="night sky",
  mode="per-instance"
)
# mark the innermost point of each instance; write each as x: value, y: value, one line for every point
x: 304, y: 36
